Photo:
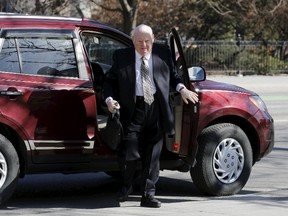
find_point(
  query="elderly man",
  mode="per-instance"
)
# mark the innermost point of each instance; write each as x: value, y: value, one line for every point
x: 138, y: 84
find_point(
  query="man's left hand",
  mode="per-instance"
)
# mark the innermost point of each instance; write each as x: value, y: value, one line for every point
x: 188, y: 95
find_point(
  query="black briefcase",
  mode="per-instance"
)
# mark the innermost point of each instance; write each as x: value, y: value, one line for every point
x: 112, y: 134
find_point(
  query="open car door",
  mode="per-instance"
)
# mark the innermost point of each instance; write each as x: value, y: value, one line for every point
x: 184, y: 142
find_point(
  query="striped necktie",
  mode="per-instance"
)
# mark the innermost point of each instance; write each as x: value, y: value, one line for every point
x: 146, y: 82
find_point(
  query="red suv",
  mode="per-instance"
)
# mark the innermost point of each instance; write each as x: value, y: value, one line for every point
x: 52, y: 110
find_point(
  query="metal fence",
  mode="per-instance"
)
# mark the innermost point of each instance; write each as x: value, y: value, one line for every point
x: 228, y: 57
x: 253, y: 57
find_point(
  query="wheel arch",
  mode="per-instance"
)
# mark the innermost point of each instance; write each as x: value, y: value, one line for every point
x: 18, y: 144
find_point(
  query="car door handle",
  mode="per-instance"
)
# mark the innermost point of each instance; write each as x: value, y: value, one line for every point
x: 11, y: 93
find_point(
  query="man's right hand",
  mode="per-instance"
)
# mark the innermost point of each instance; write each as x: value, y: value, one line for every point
x: 188, y: 95
x: 112, y: 105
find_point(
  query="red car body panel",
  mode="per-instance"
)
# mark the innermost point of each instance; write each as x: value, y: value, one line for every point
x: 225, y: 101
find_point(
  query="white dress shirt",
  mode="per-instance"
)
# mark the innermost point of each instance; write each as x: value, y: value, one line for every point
x: 138, y: 61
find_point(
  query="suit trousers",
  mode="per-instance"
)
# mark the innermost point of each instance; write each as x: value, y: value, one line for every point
x: 143, y: 139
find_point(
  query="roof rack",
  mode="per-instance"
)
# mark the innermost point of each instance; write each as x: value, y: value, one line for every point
x: 28, y: 16
x: 6, y: 13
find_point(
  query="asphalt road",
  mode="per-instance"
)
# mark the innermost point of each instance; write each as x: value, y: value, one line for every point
x: 266, y: 192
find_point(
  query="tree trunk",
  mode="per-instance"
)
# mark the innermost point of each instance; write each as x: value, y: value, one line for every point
x: 130, y: 11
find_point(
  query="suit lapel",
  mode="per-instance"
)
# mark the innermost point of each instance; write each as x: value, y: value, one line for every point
x: 130, y: 70
x: 156, y: 66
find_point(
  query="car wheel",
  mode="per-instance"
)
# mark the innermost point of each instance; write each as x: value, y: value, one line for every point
x: 224, y: 160
x: 9, y: 169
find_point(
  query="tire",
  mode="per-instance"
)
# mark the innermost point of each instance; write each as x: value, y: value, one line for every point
x: 9, y: 169
x: 224, y: 160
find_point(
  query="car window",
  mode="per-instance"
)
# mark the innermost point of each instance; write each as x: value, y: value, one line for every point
x: 178, y: 55
x: 41, y: 56
x: 100, y: 48
x: 8, y: 57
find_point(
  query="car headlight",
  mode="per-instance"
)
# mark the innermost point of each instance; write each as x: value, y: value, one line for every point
x: 258, y: 102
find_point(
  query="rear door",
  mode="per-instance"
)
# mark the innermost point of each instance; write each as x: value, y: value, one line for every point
x: 48, y: 96
x: 186, y: 116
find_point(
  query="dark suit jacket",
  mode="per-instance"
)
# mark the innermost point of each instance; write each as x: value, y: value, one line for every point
x: 120, y: 83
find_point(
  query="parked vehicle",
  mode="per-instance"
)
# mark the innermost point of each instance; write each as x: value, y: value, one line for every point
x: 52, y: 110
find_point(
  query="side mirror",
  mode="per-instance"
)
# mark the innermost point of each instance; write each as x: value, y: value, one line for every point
x: 196, y: 74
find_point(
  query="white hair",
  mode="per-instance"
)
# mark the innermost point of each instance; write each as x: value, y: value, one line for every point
x: 142, y: 28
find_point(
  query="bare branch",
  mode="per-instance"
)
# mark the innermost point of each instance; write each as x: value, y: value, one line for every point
x: 125, y: 5
x: 277, y: 6
x: 220, y: 9
x: 107, y: 8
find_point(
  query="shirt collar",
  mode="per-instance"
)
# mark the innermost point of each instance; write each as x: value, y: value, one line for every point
x: 138, y: 56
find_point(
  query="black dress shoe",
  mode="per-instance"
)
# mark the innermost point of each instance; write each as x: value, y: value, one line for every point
x: 124, y: 193
x: 150, y: 201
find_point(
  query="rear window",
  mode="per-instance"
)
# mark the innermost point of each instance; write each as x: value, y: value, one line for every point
x: 41, y: 56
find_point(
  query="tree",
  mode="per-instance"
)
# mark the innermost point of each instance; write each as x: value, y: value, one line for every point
x: 200, y: 19
x: 41, y: 7
x: 195, y: 19
x: 252, y: 19
x: 4, y: 6
x: 161, y: 15
x: 122, y: 10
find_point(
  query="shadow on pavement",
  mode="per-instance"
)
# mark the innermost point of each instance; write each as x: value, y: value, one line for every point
x: 89, y: 191
x: 98, y: 190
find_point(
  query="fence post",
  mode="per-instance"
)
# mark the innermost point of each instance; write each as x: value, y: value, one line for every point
x: 239, y: 42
